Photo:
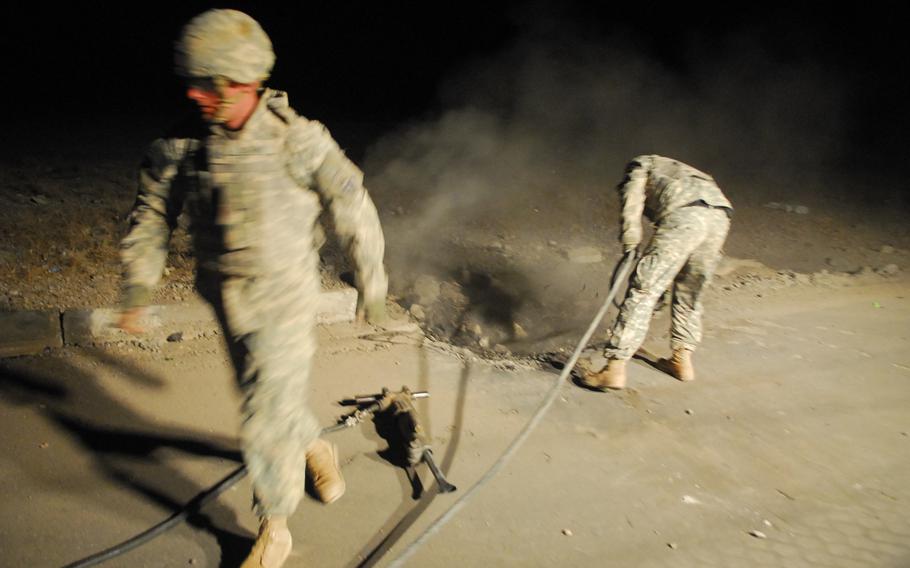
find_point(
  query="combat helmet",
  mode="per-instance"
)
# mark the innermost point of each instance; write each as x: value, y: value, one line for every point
x: 224, y: 43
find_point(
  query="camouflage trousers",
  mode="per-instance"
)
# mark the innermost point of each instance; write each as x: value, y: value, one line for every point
x: 684, y: 251
x: 268, y: 326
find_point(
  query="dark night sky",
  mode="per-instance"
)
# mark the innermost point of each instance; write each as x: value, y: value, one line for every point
x: 380, y: 63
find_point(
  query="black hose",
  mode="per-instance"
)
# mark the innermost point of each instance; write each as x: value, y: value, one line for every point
x: 618, y: 273
x: 192, y: 507
x: 197, y: 503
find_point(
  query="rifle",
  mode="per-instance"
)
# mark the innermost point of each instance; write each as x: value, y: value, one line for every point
x: 401, y: 407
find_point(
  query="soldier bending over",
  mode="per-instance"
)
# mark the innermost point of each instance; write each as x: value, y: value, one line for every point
x: 692, y: 218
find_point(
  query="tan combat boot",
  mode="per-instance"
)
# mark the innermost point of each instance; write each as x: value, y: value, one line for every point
x: 613, y: 376
x: 323, y: 470
x: 679, y: 365
x: 273, y: 545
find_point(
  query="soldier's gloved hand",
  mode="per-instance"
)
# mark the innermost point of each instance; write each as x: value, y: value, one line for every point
x: 372, y: 311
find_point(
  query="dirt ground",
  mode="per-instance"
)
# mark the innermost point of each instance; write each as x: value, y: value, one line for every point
x: 790, y: 449
x: 507, y: 260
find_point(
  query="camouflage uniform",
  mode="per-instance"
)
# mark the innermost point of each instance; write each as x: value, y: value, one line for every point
x: 692, y: 218
x: 253, y: 197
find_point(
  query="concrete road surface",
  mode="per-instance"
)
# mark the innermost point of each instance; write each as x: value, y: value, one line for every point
x: 792, y: 448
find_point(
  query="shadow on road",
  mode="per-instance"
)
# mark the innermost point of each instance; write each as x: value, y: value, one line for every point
x: 125, y: 447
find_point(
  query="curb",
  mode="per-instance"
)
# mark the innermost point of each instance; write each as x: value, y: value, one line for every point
x: 24, y: 333
x: 32, y: 332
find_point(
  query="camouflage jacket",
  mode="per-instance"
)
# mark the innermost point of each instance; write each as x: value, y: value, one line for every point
x: 253, y: 198
x: 656, y: 186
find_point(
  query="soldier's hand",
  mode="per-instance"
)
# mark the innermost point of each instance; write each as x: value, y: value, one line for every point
x: 129, y: 320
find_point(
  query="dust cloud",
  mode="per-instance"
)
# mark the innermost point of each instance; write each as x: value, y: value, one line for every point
x: 533, y: 140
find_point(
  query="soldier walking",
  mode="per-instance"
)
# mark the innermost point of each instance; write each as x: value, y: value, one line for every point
x: 253, y: 176
x: 692, y: 218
